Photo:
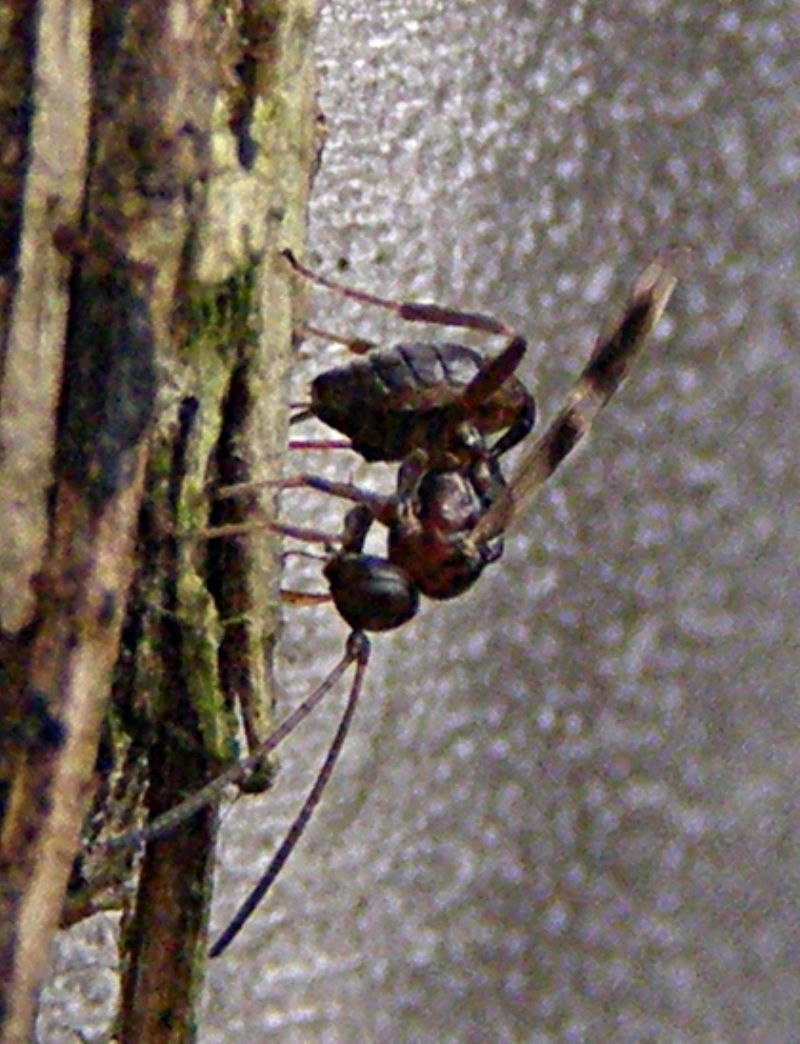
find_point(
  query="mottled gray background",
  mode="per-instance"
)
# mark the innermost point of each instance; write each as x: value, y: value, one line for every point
x: 568, y: 811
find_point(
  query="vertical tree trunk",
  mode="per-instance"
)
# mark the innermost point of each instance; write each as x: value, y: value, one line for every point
x: 157, y: 158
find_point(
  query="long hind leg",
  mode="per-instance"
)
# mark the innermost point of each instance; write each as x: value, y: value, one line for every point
x: 357, y: 651
x: 411, y: 311
x: 383, y: 508
x: 495, y: 372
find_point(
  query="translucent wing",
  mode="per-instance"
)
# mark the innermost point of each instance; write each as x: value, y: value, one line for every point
x: 601, y: 377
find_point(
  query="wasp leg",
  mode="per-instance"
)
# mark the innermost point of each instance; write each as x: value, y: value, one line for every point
x: 346, y: 490
x: 356, y: 345
x: 311, y: 536
x: 382, y: 508
x: 358, y: 649
x: 292, y: 597
x: 412, y: 311
x: 320, y: 444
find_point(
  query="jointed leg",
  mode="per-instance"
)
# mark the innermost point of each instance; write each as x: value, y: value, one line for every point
x: 382, y: 508
x: 311, y: 536
x: 357, y: 345
x: 412, y: 311
x: 317, y: 444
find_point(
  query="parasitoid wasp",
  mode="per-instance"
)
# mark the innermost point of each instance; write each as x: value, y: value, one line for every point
x: 451, y: 507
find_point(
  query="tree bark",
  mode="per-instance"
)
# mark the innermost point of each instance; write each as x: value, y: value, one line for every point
x: 158, y: 159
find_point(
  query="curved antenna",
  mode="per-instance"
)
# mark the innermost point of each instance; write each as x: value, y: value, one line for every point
x: 358, y: 644
x: 213, y: 790
x: 605, y: 371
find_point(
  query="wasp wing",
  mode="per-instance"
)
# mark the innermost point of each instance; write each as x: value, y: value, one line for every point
x: 601, y: 377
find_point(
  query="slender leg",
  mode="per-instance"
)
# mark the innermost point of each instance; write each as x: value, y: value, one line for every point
x: 318, y: 444
x: 311, y: 536
x: 412, y: 311
x: 382, y: 508
x: 358, y: 647
x: 292, y: 597
x: 357, y: 345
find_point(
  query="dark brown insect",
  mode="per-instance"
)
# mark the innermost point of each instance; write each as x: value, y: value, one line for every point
x: 430, y: 520
x: 459, y: 509
x: 445, y: 398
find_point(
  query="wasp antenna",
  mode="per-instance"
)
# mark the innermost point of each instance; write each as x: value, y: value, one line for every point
x: 212, y: 791
x: 358, y: 649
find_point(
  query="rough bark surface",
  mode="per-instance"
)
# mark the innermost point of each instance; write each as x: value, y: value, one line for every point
x: 158, y: 158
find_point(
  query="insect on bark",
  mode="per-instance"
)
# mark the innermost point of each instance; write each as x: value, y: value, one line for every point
x: 452, y: 504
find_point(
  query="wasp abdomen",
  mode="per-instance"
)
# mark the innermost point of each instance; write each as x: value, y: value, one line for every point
x: 392, y: 400
x: 397, y: 399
